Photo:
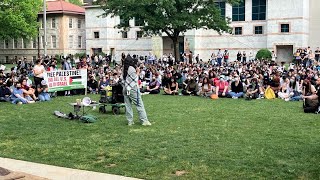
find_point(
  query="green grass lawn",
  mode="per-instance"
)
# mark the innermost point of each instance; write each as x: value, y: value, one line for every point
x: 208, y: 139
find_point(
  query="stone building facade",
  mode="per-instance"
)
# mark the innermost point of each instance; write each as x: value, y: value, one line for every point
x: 282, y: 26
x: 65, y: 34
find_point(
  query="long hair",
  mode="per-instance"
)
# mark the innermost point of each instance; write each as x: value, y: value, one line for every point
x: 129, y: 61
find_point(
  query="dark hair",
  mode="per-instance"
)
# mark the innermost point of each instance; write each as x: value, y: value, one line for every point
x: 129, y: 61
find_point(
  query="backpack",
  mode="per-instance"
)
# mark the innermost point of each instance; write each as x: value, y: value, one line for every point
x: 269, y: 94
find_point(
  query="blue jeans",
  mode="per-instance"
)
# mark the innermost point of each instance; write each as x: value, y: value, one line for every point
x: 219, y: 61
x: 44, y: 96
x: 234, y: 94
x: 17, y: 100
x: 134, y: 98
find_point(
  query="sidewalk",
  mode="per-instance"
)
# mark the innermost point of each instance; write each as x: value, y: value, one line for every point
x: 54, y: 172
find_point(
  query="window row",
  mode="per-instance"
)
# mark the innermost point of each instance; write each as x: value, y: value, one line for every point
x: 284, y: 28
x: 23, y: 44
x: 54, y: 23
x: 239, y: 10
x: 124, y: 34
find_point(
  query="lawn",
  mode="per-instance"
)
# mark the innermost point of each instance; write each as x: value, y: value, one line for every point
x: 194, y: 137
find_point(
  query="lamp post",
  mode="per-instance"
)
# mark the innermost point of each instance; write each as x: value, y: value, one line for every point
x: 45, y: 26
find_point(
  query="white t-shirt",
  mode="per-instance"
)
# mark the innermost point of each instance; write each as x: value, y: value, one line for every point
x: 38, y: 71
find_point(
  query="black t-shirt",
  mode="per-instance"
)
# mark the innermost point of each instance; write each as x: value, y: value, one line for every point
x: 317, y: 55
x: 4, y: 91
x: 302, y: 54
x: 235, y: 88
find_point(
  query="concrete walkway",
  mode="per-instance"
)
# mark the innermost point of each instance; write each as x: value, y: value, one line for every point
x: 54, y: 172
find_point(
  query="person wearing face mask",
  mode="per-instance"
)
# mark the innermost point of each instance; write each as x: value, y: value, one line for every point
x: 17, y: 95
x: 5, y: 92
x: 222, y: 87
x: 191, y: 88
x: 236, y: 88
x: 154, y: 86
x: 172, y: 87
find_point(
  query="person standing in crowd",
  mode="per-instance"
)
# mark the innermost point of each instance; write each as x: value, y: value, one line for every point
x: 67, y: 66
x: 317, y: 54
x: 219, y: 57
x: 244, y: 57
x: 132, y: 93
x: 38, y: 71
x: 274, y: 56
x: 226, y: 56
x: 239, y: 56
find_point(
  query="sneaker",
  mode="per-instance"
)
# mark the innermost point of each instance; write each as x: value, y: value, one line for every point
x: 287, y: 99
x: 19, y: 103
x: 234, y: 97
x: 130, y: 123
x: 318, y: 111
x: 146, y: 123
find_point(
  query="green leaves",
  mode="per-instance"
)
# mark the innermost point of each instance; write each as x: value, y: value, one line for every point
x: 18, y: 18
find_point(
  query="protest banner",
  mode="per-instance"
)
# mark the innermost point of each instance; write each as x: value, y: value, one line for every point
x: 65, y: 80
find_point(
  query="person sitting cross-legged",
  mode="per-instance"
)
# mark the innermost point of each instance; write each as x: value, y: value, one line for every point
x: 172, y: 87
x: 191, y: 88
x: 43, y: 91
x: 17, y: 96
x: 154, y: 86
x: 206, y: 89
x: 222, y: 87
x: 236, y: 88
x: 253, y: 90
x: 5, y: 92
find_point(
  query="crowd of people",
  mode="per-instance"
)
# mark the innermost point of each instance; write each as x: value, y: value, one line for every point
x: 245, y: 77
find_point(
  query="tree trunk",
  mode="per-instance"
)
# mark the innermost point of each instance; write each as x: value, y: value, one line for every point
x: 176, y: 49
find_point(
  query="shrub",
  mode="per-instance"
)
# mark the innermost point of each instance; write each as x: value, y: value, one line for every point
x: 264, y: 54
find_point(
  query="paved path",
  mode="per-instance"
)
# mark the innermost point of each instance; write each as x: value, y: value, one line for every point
x: 54, y: 172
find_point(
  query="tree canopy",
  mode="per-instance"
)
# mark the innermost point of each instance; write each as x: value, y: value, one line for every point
x: 18, y: 18
x: 76, y: 2
x: 169, y: 16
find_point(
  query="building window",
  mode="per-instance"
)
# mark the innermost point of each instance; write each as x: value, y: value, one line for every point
x: 79, y: 23
x: 53, y: 23
x: 7, y: 59
x: 238, y: 31
x: 15, y: 43
x: 96, y: 35
x: 24, y: 43
x: 124, y: 34
x: 6, y: 44
x: 259, y: 9
x: 42, y: 24
x: 70, y: 42
x: 53, y: 42
x: 222, y: 7
x: 70, y: 22
x: 139, y: 34
x: 285, y: 28
x: 138, y: 21
x: 43, y: 41
x: 79, y: 41
x: 258, y: 30
x: 34, y: 58
x: 238, y: 12
x: 34, y: 43
x: 124, y: 22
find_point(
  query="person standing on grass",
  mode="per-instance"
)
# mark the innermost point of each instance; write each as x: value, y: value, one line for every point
x: 132, y: 93
x: 38, y: 71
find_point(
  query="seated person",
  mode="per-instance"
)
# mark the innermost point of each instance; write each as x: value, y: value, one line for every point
x: 206, y: 89
x: 104, y: 82
x: 316, y: 96
x: 17, y: 96
x: 154, y: 86
x: 236, y: 88
x: 28, y: 91
x: 222, y: 87
x: 191, y: 88
x: 43, y: 91
x: 253, y: 90
x: 172, y: 87
x: 275, y: 83
x: 92, y: 85
x: 5, y: 92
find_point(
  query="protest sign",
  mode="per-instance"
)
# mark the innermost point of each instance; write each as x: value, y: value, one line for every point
x: 65, y: 80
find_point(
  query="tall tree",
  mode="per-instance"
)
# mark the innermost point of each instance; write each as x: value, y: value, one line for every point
x: 171, y: 17
x: 18, y: 18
